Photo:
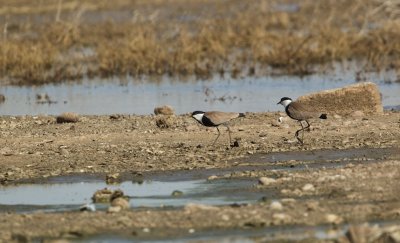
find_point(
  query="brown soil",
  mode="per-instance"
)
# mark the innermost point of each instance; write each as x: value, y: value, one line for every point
x: 33, y: 148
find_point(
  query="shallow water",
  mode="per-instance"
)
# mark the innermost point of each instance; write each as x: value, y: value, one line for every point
x: 130, y: 96
x: 66, y: 193
x: 70, y: 196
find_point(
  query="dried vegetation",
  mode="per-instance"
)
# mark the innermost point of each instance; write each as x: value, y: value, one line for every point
x: 52, y: 41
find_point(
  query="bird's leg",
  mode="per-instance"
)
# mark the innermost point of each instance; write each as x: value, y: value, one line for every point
x: 297, y: 133
x: 308, y: 126
x: 219, y: 133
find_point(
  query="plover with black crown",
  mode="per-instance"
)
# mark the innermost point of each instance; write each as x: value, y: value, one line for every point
x: 300, y: 112
x: 215, y: 119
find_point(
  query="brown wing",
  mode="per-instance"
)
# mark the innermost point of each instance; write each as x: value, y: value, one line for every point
x: 299, y: 112
x: 219, y: 117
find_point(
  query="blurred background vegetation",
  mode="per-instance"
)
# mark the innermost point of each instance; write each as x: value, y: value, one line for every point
x: 45, y: 41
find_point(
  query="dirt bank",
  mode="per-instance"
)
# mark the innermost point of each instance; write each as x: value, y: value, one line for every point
x: 37, y: 147
x: 33, y: 148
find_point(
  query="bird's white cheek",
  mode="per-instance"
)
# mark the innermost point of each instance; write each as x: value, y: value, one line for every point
x: 286, y: 102
x: 198, y: 117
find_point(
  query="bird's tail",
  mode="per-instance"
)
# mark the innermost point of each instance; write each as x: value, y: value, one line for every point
x: 242, y: 115
x: 323, y: 116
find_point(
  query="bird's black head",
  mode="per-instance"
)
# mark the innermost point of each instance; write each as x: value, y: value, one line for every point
x: 283, y: 99
x: 197, y: 112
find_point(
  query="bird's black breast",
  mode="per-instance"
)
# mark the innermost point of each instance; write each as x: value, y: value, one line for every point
x: 207, y: 122
x: 291, y: 115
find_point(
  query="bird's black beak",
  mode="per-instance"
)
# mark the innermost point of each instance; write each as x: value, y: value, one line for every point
x: 278, y: 103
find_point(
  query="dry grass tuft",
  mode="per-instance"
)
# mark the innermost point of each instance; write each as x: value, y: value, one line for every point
x: 67, y: 117
x: 53, y: 41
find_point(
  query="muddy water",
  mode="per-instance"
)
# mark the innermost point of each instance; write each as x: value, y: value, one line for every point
x: 130, y: 96
x: 69, y: 193
x: 70, y: 196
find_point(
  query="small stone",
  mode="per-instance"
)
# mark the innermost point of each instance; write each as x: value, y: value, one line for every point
x: 2, y: 98
x: 67, y: 117
x: 308, y: 188
x: 277, y: 206
x: 114, y: 209
x: 275, y: 123
x: 64, y: 152
x: 102, y: 196
x: 212, y: 177
x: 177, y: 193
x: 88, y: 207
x: 262, y: 134
x: 6, y: 151
x: 265, y: 181
x: 225, y: 217
x: 333, y: 219
x: 113, y: 178
x: 121, y: 202
x: 164, y: 110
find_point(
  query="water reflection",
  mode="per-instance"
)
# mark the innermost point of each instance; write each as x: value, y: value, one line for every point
x: 129, y: 96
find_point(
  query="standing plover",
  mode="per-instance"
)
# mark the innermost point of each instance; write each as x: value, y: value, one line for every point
x: 216, y: 118
x: 300, y: 112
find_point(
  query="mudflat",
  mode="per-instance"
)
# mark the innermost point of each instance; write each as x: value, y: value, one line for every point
x: 33, y: 149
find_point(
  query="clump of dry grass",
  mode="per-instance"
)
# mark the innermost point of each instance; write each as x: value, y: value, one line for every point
x: 67, y: 117
x: 157, y: 38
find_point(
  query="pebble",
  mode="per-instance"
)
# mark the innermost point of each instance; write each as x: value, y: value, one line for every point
x: 225, y: 217
x: 308, y: 188
x: 276, y: 206
x: 120, y: 202
x: 333, y: 219
x: 212, y: 177
x: 88, y: 207
x: 113, y: 178
x: 102, y: 196
x: 114, y: 209
x: 64, y: 152
x: 2, y: 98
x: 6, y: 151
x: 265, y: 181
x: 177, y: 193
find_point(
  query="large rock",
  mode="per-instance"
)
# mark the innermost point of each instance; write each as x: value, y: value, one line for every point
x: 364, y: 97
